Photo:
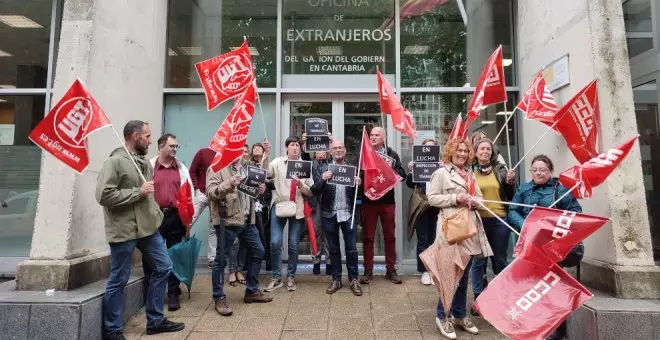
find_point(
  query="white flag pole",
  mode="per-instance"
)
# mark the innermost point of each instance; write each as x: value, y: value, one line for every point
x: 537, y: 143
x: 505, y: 124
x: 121, y: 141
x: 357, y: 173
x: 256, y: 91
x: 564, y: 195
x: 508, y: 143
x: 478, y: 201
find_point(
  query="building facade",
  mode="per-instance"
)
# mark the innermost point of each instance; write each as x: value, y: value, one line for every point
x: 318, y: 58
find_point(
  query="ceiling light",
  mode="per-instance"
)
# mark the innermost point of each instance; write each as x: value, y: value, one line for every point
x: 503, y: 113
x: 19, y: 21
x: 466, y: 85
x: 4, y: 54
x: 416, y: 49
x: 487, y: 122
x: 3, y: 100
x: 253, y: 50
x: 190, y: 50
x: 507, y: 62
x: 171, y: 52
x: 329, y: 50
x: 7, y: 86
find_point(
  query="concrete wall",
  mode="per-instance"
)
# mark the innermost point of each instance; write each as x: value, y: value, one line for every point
x: 117, y: 48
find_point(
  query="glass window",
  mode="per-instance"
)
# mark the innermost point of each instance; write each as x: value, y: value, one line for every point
x: 648, y: 125
x: 187, y: 118
x: 639, y: 26
x: 24, y: 39
x: 199, y: 30
x: 19, y: 172
x: 338, y: 37
x: 446, y: 43
x: 435, y: 115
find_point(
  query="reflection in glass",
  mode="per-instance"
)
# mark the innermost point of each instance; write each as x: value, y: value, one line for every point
x: 442, y: 47
x: 434, y: 118
x: 19, y: 172
x: 648, y: 126
x: 199, y: 30
x: 639, y: 26
x: 24, y: 39
x: 338, y: 37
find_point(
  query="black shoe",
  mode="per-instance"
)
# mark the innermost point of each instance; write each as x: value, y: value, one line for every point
x: 166, y: 326
x: 173, y: 302
x: 317, y: 269
x: 328, y: 269
x: 114, y: 336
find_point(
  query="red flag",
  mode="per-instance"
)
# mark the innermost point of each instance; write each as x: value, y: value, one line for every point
x: 64, y: 131
x: 578, y: 122
x: 491, y: 88
x: 595, y: 171
x: 545, y: 226
x: 389, y: 104
x: 538, y: 103
x: 232, y: 135
x: 184, y: 204
x: 226, y: 76
x: 530, y: 297
x: 459, y: 131
x: 379, y: 177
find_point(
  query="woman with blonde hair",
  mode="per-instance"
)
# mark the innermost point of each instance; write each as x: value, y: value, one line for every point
x: 450, y: 190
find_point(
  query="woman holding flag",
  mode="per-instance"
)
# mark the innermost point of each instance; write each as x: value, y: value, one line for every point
x: 450, y: 190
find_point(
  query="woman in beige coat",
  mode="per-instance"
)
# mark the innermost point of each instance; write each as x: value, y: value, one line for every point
x: 449, y: 190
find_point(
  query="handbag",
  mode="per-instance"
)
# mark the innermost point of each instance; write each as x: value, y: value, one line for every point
x: 458, y: 226
x: 288, y: 208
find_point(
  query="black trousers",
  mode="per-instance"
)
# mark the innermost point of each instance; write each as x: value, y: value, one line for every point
x: 173, y: 231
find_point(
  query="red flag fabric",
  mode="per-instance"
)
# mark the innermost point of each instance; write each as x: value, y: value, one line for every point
x: 491, y: 88
x: 538, y: 103
x: 578, y: 122
x: 594, y: 172
x: 379, y: 177
x: 184, y: 204
x: 549, y: 230
x: 226, y: 76
x: 232, y: 135
x: 389, y: 104
x: 64, y: 131
x: 459, y: 131
x: 530, y: 297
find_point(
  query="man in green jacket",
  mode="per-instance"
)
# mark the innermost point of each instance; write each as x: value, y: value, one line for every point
x: 132, y: 218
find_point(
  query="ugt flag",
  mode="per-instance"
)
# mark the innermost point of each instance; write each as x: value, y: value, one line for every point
x: 491, y: 88
x: 538, y: 103
x: 63, y: 132
x: 389, y: 104
x: 226, y: 76
x: 595, y: 171
x: 230, y: 138
x: 555, y: 231
x: 379, y: 177
x: 530, y: 297
x: 578, y: 122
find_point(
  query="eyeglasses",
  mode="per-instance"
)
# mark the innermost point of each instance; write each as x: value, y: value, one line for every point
x: 174, y: 146
x: 541, y: 170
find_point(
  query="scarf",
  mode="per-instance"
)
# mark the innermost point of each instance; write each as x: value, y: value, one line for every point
x: 484, y: 170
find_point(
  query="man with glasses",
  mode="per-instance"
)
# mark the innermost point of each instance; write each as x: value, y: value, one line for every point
x: 169, y: 175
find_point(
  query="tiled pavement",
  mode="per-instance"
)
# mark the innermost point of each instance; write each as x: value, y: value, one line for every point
x: 385, y: 311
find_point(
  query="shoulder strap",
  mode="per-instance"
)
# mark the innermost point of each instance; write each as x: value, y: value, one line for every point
x: 555, y: 194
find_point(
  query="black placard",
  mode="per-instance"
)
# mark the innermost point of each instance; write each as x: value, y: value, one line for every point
x: 300, y: 169
x: 316, y: 127
x: 248, y: 190
x: 342, y: 175
x: 255, y: 176
x: 421, y: 172
x: 426, y: 153
x: 317, y: 144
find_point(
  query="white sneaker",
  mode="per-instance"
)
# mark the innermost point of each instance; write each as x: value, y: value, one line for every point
x: 273, y: 284
x: 446, y: 328
x: 426, y: 279
x: 466, y: 324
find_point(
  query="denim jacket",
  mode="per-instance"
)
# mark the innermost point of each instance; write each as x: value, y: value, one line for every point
x: 542, y: 195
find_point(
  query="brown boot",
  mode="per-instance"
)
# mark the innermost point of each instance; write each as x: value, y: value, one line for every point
x: 258, y: 297
x: 355, y: 288
x: 222, y: 307
x: 393, y: 277
x: 367, y: 278
x: 334, y: 286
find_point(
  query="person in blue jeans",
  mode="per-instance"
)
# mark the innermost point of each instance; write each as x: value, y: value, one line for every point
x: 496, y: 184
x: 336, y: 209
x: 284, y: 189
x: 132, y: 217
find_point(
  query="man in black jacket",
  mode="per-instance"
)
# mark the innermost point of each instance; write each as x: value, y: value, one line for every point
x: 383, y: 208
x: 336, y: 208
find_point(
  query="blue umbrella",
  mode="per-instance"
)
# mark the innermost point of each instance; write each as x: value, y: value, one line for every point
x: 184, y: 259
